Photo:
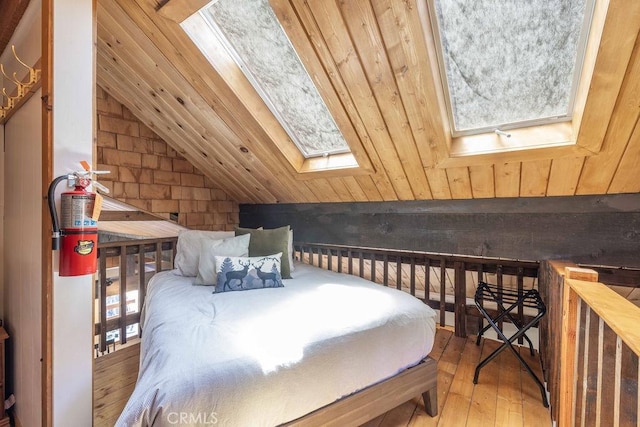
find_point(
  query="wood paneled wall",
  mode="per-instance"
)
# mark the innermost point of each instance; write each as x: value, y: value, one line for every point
x: 150, y: 175
x: 374, y: 56
x: 602, y: 230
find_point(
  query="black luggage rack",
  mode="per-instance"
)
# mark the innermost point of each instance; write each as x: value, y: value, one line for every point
x: 506, y: 301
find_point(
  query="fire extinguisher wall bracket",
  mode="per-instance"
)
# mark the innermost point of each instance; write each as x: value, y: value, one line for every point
x: 77, y: 235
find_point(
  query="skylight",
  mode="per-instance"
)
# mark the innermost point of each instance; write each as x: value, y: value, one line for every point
x: 510, y: 64
x: 255, y: 39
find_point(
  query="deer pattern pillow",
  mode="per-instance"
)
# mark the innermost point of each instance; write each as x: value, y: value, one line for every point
x: 244, y: 273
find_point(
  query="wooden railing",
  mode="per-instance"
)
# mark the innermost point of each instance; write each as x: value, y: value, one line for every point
x: 124, y: 269
x: 443, y: 281
x: 590, y: 344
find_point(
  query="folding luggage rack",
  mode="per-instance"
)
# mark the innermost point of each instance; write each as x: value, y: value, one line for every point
x: 506, y: 301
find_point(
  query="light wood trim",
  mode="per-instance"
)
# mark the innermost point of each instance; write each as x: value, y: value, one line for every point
x: 179, y: 10
x: 613, y: 50
x: 47, y: 176
x: 367, y: 404
x: 532, y: 143
x: 579, y: 273
x: 521, y: 139
x: 568, y: 354
x: 620, y: 314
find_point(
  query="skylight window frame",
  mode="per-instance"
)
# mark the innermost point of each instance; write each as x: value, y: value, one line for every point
x: 582, y: 43
x: 356, y: 162
x: 264, y: 94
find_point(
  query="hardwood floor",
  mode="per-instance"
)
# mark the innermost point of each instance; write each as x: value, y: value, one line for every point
x: 505, y: 394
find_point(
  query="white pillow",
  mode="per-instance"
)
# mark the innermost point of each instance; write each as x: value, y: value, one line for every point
x: 188, y: 249
x: 233, y: 247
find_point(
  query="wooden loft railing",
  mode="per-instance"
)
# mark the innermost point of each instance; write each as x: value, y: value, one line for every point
x: 124, y: 270
x: 121, y: 283
x: 449, y: 279
x: 590, y: 345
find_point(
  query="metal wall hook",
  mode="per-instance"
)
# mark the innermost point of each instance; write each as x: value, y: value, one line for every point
x: 22, y: 88
x: 33, y: 73
x: 11, y: 100
x: 14, y: 80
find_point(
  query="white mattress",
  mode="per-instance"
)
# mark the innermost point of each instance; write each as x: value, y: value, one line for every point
x: 268, y: 356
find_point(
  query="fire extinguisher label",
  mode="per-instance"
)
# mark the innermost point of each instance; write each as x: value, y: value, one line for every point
x: 77, y: 210
x: 84, y: 247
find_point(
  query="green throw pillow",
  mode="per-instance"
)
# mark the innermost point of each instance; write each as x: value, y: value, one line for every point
x: 267, y: 242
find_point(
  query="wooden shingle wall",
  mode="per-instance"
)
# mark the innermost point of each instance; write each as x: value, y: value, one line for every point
x: 150, y: 175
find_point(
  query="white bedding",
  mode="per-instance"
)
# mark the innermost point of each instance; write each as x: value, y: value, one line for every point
x: 268, y: 356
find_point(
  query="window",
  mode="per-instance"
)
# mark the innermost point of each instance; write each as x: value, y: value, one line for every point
x: 507, y: 64
x: 255, y: 39
x: 287, y: 91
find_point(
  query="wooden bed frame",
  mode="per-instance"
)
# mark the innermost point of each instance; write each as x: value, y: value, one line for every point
x: 352, y: 410
x: 358, y: 408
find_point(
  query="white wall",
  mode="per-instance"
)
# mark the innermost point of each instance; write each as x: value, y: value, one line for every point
x: 73, y: 121
x: 21, y: 240
x: 23, y: 274
x: 73, y: 118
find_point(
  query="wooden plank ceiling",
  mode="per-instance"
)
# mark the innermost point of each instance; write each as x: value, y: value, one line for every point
x: 11, y: 12
x: 374, y: 53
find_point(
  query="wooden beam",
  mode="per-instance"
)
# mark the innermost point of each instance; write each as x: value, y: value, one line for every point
x: 128, y: 216
x: 532, y: 228
x: 11, y: 12
x: 179, y: 10
x: 47, y: 175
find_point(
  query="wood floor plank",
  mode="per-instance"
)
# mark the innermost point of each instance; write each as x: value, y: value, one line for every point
x: 509, y: 399
x: 533, y: 411
x: 440, y: 343
x: 484, y: 400
x: 458, y: 401
x: 447, y: 366
x: 400, y: 415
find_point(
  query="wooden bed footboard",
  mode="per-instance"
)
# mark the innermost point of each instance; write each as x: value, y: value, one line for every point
x: 358, y: 408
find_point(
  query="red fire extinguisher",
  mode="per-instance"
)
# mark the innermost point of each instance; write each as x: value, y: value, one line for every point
x: 77, y: 236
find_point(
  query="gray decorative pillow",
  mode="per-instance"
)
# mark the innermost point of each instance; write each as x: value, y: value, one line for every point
x: 271, y: 241
x: 188, y: 249
x: 245, y: 273
x: 209, y: 249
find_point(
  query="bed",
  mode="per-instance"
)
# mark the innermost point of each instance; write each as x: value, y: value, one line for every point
x: 325, y: 348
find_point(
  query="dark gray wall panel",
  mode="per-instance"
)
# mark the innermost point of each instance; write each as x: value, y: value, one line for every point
x: 602, y: 230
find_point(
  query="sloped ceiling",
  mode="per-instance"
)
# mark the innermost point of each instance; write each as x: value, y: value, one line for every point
x: 11, y: 12
x: 371, y: 57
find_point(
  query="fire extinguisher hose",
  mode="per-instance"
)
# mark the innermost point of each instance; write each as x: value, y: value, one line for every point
x: 55, y: 237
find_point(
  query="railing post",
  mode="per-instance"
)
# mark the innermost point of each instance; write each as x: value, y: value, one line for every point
x: 103, y: 301
x: 123, y: 294
x: 567, y: 355
x: 443, y: 293
x: 460, y: 299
